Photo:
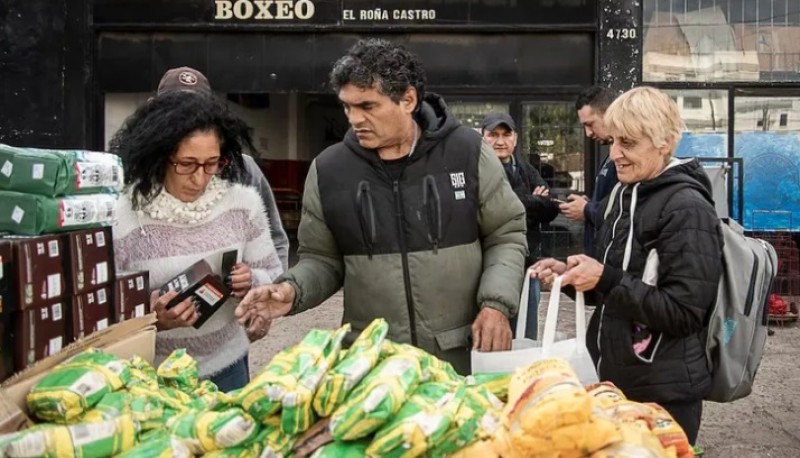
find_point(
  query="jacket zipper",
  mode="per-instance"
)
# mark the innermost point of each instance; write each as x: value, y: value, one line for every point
x: 751, y: 289
x: 605, y: 258
x: 398, y: 213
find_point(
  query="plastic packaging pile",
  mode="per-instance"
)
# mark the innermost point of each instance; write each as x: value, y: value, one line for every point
x: 376, y: 399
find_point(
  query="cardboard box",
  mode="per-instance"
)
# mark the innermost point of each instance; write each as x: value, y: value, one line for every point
x: 89, y: 260
x: 37, y: 273
x: 7, y: 301
x: 132, y: 337
x: 131, y: 295
x: 91, y: 312
x: 39, y: 332
x: 199, y: 283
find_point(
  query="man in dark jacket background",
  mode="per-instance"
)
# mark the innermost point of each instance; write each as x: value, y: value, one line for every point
x: 500, y: 131
x: 411, y: 213
x: 591, y: 106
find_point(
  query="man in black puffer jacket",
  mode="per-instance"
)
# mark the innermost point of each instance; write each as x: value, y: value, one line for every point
x: 661, y: 252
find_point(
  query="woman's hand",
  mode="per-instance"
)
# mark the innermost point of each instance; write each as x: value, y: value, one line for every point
x: 241, y: 279
x: 546, y: 270
x: 583, y: 272
x: 257, y: 328
x: 180, y: 316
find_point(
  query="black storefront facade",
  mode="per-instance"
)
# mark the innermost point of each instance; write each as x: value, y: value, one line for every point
x: 72, y: 70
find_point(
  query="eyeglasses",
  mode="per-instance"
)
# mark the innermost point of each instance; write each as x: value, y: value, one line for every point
x: 210, y: 168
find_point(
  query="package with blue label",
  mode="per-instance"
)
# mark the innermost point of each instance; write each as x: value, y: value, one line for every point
x: 59, y: 172
x: 30, y: 214
x: 202, y: 286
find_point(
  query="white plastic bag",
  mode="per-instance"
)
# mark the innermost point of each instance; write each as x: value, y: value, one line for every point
x: 525, y: 351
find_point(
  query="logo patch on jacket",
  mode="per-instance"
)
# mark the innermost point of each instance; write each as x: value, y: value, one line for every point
x: 459, y: 182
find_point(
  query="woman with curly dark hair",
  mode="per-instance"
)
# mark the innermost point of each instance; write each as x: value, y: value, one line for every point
x: 185, y: 202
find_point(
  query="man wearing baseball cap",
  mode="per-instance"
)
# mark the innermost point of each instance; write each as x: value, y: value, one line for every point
x: 189, y: 79
x: 500, y: 131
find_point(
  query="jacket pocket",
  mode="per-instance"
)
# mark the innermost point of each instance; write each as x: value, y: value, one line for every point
x: 454, y: 338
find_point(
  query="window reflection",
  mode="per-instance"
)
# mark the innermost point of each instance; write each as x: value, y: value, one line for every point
x: 705, y: 113
x: 472, y: 113
x: 767, y: 138
x: 723, y: 40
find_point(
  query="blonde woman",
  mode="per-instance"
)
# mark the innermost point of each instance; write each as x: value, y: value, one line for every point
x: 645, y: 335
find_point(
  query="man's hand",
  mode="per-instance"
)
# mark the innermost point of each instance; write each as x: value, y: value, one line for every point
x: 257, y: 328
x: 583, y: 272
x: 182, y: 315
x: 573, y: 209
x: 491, y: 331
x: 241, y: 279
x: 546, y: 270
x: 268, y: 302
x: 541, y: 191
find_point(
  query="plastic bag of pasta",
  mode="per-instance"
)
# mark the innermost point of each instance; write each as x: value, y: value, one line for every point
x: 297, y: 414
x: 361, y: 358
x: 159, y: 445
x: 84, y: 440
x: 207, y: 396
x: 420, y: 423
x: 76, y: 386
x: 112, y: 405
x: 635, y: 443
x: 495, y: 382
x: 262, y: 397
x: 433, y: 368
x: 342, y: 450
x: 142, y: 374
x: 605, y: 393
x: 178, y: 371
x: 147, y: 412
x: 669, y: 432
x: 275, y: 443
x: 477, y: 418
x: 546, y: 395
x: 580, y: 439
x: 377, y: 399
x: 206, y: 431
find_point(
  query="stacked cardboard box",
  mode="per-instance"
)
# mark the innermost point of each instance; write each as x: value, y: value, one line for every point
x: 57, y: 272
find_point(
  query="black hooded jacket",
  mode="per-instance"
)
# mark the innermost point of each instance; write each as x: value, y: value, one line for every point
x: 673, y: 214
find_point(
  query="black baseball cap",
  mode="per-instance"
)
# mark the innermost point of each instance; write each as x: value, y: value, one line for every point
x: 492, y: 120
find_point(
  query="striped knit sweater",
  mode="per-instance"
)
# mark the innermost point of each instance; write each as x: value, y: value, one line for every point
x: 236, y: 221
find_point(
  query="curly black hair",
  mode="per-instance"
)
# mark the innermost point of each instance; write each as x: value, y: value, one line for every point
x: 152, y: 134
x: 376, y: 61
x: 597, y: 97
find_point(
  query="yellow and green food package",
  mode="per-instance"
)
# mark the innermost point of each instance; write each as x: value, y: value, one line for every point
x: 421, y: 422
x: 357, y: 449
x: 178, y: 371
x: 433, y: 368
x: 147, y: 412
x: 84, y: 440
x: 207, y: 396
x: 356, y: 363
x: 206, y: 431
x: 262, y: 397
x: 275, y: 442
x: 495, y: 382
x: 160, y: 445
x: 477, y: 418
x: 297, y: 414
x: 634, y: 443
x: 112, y: 405
x: 376, y: 399
x: 142, y: 374
x: 76, y: 386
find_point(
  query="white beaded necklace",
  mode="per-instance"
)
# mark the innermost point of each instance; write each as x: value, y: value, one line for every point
x: 165, y: 207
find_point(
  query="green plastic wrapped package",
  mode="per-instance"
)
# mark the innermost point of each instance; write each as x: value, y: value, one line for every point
x: 112, y: 405
x: 262, y: 397
x: 338, y: 449
x: 275, y: 443
x: 356, y: 363
x: 496, y: 382
x: 147, y: 412
x: 421, y: 422
x: 76, y: 386
x: 376, y: 399
x: 142, y: 374
x: 159, y: 445
x: 207, y: 396
x: 30, y: 214
x: 477, y: 418
x: 85, y: 440
x: 59, y: 172
x: 254, y: 449
x: 178, y: 371
x: 206, y: 431
x: 433, y: 368
x: 297, y: 414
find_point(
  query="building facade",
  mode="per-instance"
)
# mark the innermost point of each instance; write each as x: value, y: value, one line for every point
x: 72, y: 70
